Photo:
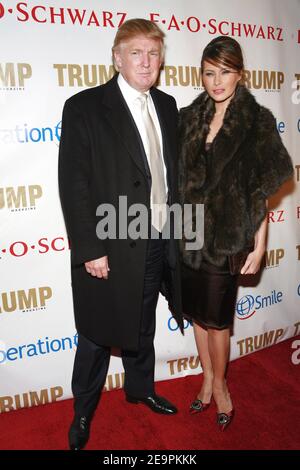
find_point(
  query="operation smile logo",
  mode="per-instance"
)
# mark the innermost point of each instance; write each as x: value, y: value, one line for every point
x: 173, y: 326
x: 244, y: 307
x: 44, y: 14
x: 248, y: 305
x: 37, y: 348
x: 24, y: 134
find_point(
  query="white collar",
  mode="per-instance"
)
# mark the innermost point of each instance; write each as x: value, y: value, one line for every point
x: 130, y: 94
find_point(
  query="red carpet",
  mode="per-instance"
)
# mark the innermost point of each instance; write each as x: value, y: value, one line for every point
x: 265, y: 388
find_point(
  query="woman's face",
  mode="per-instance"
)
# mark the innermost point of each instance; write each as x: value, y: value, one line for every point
x: 219, y: 81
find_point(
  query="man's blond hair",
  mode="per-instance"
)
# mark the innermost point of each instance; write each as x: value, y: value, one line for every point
x: 138, y: 27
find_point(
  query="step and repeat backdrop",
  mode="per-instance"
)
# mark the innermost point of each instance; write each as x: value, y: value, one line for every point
x: 54, y: 49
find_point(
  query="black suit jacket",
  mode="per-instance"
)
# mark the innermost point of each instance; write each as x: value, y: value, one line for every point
x: 101, y: 158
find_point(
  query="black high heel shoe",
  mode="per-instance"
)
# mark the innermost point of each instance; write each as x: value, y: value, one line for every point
x: 224, y: 419
x: 197, y: 406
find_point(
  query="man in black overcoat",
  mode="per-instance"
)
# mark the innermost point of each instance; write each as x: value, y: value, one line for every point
x: 119, y: 139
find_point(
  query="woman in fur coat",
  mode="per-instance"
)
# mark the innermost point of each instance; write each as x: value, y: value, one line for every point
x: 231, y: 160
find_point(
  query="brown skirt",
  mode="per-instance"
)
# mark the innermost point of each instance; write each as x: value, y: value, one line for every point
x: 209, y: 295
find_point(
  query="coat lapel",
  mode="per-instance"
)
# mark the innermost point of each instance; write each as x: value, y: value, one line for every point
x: 120, y: 119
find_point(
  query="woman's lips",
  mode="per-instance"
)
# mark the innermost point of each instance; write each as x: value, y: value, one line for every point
x: 218, y: 91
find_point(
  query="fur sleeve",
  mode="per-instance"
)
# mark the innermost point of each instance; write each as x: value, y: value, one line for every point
x: 274, y: 163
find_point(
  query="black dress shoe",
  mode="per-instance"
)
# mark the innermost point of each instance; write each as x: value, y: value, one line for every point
x: 155, y: 403
x: 79, y: 432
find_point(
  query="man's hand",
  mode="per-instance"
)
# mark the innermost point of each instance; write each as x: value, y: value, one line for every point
x: 98, y: 267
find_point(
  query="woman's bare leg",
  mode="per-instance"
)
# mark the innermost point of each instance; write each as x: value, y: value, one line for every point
x: 218, y: 346
x: 201, y: 337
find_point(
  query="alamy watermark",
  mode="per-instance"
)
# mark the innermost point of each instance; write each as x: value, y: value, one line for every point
x: 295, y: 358
x: 184, y: 222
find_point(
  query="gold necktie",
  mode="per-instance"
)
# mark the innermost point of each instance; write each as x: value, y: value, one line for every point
x: 158, y: 186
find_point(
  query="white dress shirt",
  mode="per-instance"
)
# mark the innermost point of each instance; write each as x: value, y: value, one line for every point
x: 130, y: 95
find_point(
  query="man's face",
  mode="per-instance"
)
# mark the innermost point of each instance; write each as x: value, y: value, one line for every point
x: 139, y: 60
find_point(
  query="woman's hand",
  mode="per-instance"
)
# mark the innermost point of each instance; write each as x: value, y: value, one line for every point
x: 254, y: 258
x: 253, y: 262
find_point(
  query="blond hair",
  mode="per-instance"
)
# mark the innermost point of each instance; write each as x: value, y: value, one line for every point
x: 138, y: 27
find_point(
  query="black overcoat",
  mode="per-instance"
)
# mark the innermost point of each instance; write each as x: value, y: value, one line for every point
x: 100, y: 159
